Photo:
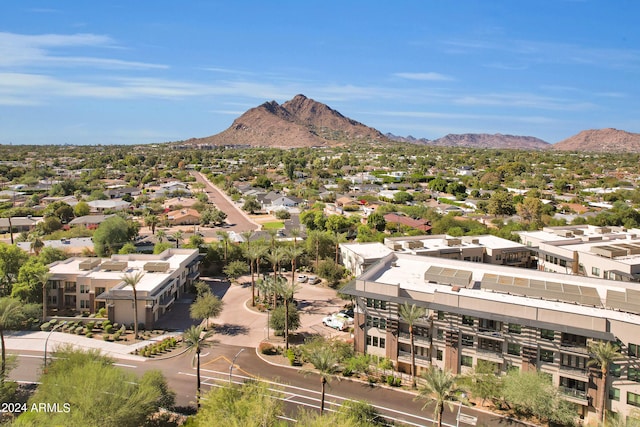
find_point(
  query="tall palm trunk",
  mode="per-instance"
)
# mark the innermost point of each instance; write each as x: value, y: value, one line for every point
x: 286, y: 323
x: 253, y: 284
x: 323, y: 381
x: 135, y: 314
x: 3, y: 368
x: 413, y: 357
x: 602, y: 391
x: 198, y: 377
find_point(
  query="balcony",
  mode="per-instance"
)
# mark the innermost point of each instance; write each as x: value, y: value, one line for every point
x: 70, y: 289
x: 574, y: 372
x: 406, y: 337
x: 574, y: 395
x: 405, y: 356
x: 574, y: 348
x: 490, y: 333
x: 490, y: 355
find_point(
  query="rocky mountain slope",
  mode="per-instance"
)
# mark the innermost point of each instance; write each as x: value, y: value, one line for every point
x: 299, y: 122
x: 601, y: 140
x: 479, y: 140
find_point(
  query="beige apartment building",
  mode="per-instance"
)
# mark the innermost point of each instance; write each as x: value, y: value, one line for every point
x: 512, y: 318
x: 607, y: 252
x: 89, y: 284
x: 357, y: 257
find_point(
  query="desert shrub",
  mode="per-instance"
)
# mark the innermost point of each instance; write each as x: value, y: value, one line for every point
x: 266, y: 348
x: 108, y: 329
x: 46, y: 326
x: 79, y: 330
x: 89, y: 334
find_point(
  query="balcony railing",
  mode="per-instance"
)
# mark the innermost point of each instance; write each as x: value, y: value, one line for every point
x: 490, y: 333
x: 583, y: 372
x: 572, y: 392
x: 69, y: 288
x: 574, y: 348
x: 416, y: 338
x: 420, y: 359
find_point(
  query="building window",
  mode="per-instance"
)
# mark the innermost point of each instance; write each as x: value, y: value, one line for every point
x: 514, y: 328
x: 84, y: 303
x: 438, y: 354
x: 439, y: 334
x: 376, y: 341
x: 467, y: 340
x: 634, y: 350
x: 468, y: 320
x: 489, y: 325
x: 633, y: 374
x: 490, y: 345
x: 513, y: 348
x: 440, y: 315
x: 614, y: 394
x: 595, y: 271
x: 615, y: 370
x: 376, y: 303
x: 633, y: 399
x: 466, y: 361
x: 547, y: 334
x: 84, y: 289
x: 377, y: 322
x: 546, y: 356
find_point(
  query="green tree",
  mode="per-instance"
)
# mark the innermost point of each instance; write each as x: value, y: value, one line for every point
x: 251, y: 205
x: 110, y: 236
x: 376, y: 221
x: 151, y: 221
x: 27, y: 288
x: 106, y: 396
x: 283, y: 319
x: 402, y: 197
x: 11, y: 259
x: 501, y: 204
x: 128, y: 248
x: 81, y: 209
x: 12, y: 314
x: 133, y: 280
x: 254, y: 253
x: 195, y: 339
x: 410, y: 314
x: 485, y: 384
x: 440, y: 388
x: 235, y: 269
x: 251, y: 404
x: 160, y: 247
x: 206, y: 306
x: 603, y: 354
x: 177, y: 236
x: 287, y: 291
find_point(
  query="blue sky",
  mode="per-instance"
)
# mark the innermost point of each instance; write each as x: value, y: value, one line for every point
x: 125, y: 72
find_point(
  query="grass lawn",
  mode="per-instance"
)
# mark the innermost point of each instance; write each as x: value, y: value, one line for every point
x: 275, y: 225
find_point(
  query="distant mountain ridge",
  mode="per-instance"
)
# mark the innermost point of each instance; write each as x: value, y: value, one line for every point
x: 299, y: 122
x: 601, y: 140
x: 304, y: 122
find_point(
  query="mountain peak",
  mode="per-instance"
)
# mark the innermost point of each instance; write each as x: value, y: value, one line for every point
x: 601, y: 140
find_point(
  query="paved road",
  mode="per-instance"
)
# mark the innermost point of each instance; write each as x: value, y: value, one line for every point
x: 301, y: 389
x: 236, y: 218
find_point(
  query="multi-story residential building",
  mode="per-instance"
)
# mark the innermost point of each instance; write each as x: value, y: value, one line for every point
x: 512, y: 318
x: 89, y: 284
x: 608, y: 252
x: 356, y: 257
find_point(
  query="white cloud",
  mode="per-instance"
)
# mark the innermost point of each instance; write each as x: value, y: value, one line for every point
x: 431, y: 76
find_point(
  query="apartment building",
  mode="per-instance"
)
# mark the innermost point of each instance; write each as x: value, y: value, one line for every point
x: 512, y: 318
x: 607, y: 252
x: 357, y: 257
x: 89, y: 284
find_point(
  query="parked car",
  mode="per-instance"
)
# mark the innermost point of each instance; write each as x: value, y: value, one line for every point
x: 335, y: 323
x: 302, y: 278
x: 345, y: 318
x: 348, y: 312
x: 313, y: 280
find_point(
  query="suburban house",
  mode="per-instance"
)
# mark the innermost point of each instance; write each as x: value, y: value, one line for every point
x: 402, y: 220
x: 88, y: 284
x: 176, y: 203
x: 119, y: 192
x: 184, y: 217
x: 89, y: 221
x: 506, y: 317
x: 98, y: 206
x: 19, y: 224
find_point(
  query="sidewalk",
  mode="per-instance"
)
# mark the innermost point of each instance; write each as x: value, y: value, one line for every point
x: 35, y: 341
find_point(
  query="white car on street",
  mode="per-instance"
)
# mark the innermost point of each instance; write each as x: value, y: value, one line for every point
x: 335, y: 323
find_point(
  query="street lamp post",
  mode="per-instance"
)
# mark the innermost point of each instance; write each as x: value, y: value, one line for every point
x: 233, y: 362
x: 459, y: 409
x: 46, y: 343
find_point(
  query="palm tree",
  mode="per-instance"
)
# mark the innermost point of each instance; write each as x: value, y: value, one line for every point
x: 275, y: 257
x: 195, y: 339
x: 287, y: 292
x: 223, y: 237
x: 161, y: 234
x: 254, y: 253
x: 293, y: 253
x: 246, y: 235
x: 178, y: 236
x: 43, y: 279
x: 440, y: 388
x: 295, y: 233
x: 325, y: 360
x: 410, y: 314
x: 151, y: 221
x: 36, y: 245
x: 603, y: 353
x: 133, y: 280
